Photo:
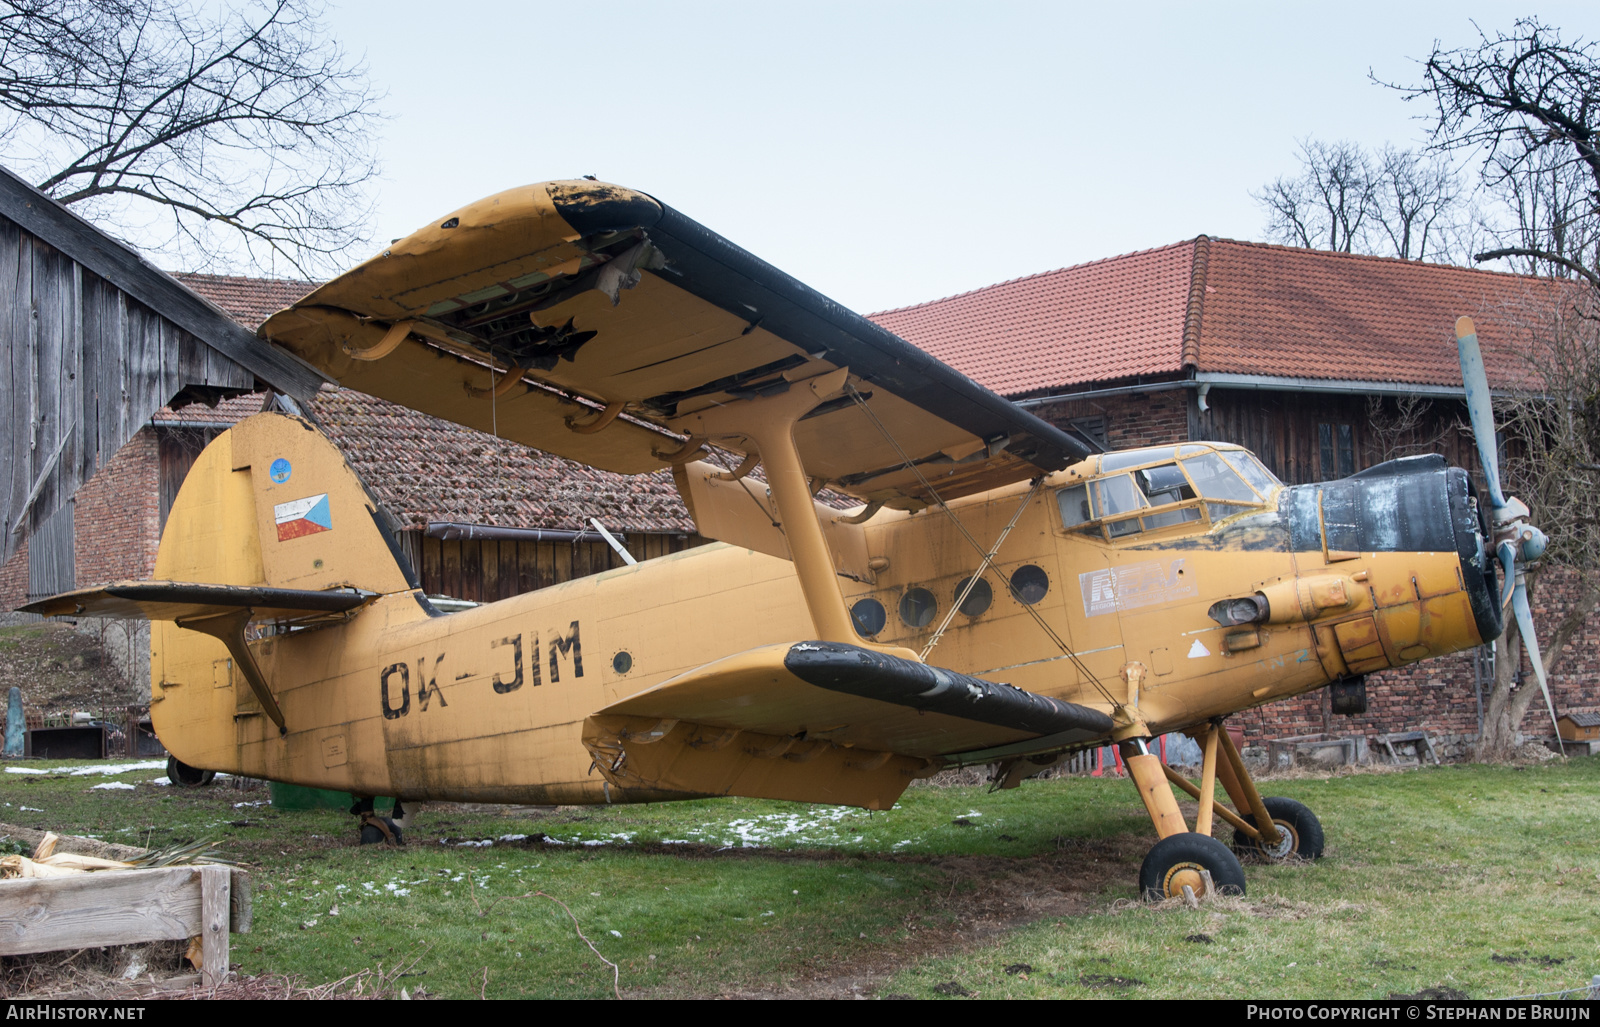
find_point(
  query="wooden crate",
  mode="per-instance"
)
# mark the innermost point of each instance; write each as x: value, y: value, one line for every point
x: 128, y: 907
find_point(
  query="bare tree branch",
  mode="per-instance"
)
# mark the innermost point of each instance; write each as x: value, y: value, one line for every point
x: 244, y: 130
x: 1554, y: 258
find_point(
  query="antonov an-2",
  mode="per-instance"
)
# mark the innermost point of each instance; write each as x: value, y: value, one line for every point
x: 1001, y: 594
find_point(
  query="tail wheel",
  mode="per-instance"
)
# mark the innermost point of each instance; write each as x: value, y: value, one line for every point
x: 185, y: 776
x: 376, y: 830
x: 1299, y: 832
x: 1176, y: 861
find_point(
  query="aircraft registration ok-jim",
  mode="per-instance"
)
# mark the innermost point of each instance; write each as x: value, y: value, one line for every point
x: 1001, y: 594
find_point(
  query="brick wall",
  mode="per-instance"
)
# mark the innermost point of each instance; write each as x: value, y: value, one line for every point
x: 14, y: 579
x: 118, y: 519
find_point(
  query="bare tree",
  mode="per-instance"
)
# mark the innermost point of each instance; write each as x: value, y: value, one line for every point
x: 1415, y: 201
x: 1552, y: 466
x: 1529, y: 103
x: 216, y: 134
x: 1395, y: 202
x: 1526, y: 104
x: 1327, y: 204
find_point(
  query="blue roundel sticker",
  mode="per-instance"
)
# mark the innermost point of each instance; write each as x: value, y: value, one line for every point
x: 280, y: 470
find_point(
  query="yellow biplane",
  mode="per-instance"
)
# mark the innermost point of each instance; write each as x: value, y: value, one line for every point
x: 999, y: 593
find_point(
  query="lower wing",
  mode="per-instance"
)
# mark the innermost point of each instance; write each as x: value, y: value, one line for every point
x: 817, y: 722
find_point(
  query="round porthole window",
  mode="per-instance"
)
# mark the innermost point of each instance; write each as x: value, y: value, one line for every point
x: 978, y: 599
x: 1029, y: 583
x: 622, y: 662
x: 869, y: 617
x: 918, y: 607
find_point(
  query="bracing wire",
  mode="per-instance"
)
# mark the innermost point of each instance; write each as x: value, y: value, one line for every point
x: 1038, y: 618
x: 972, y: 582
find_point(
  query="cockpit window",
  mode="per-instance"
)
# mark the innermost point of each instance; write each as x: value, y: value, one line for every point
x: 1074, y: 502
x: 1168, y: 493
x: 1252, y: 471
x: 1135, y: 457
x: 1117, y: 494
x: 1164, y: 484
x: 1216, y: 479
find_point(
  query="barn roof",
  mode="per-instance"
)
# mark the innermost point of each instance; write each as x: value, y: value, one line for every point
x: 1224, y: 307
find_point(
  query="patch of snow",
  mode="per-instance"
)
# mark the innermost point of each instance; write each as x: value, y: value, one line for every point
x: 258, y: 802
x: 109, y: 768
x: 113, y: 786
x: 30, y: 809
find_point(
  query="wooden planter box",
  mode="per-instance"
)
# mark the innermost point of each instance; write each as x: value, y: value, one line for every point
x: 128, y: 907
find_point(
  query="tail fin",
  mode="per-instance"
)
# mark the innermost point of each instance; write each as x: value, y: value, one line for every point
x: 272, y: 502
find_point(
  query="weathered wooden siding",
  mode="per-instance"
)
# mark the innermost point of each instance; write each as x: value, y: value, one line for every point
x: 1283, y: 429
x: 86, y: 366
x: 52, y: 555
x: 485, y: 570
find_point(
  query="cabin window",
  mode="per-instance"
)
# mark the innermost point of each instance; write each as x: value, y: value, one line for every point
x: 869, y: 617
x: 1338, y: 445
x: 977, y: 600
x: 918, y: 607
x: 1029, y: 583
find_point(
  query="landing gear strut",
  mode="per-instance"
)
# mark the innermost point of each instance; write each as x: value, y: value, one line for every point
x: 376, y: 829
x: 1176, y: 861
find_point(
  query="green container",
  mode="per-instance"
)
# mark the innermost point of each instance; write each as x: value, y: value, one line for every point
x: 297, y: 797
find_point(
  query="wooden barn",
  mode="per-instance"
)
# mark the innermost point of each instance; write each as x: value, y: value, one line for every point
x: 95, y: 342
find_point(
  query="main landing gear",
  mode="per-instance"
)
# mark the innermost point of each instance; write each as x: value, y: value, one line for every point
x: 1184, y: 861
x: 375, y: 829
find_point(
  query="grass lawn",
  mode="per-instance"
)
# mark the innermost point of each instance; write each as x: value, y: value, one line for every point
x: 1481, y: 879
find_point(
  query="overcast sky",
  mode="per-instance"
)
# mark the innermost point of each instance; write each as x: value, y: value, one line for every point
x: 893, y: 153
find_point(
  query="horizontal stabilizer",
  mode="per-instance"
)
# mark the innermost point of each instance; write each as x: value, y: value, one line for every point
x: 816, y: 722
x: 187, y: 600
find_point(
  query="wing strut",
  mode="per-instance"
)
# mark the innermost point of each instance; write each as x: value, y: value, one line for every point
x: 769, y: 421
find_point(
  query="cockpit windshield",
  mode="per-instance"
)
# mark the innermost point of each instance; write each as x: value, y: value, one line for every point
x: 1171, y: 488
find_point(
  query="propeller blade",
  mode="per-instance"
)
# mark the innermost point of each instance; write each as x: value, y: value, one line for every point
x: 1479, y: 408
x: 1519, y: 603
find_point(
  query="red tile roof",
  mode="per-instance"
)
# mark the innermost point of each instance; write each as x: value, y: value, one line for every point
x: 1114, y: 318
x: 424, y: 469
x: 228, y: 411
x: 1275, y: 310
x: 248, y: 301
x: 1219, y: 305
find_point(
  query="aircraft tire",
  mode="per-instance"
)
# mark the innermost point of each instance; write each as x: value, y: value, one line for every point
x: 1304, y: 830
x: 185, y: 776
x: 371, y: 834
x: 1177, y: 860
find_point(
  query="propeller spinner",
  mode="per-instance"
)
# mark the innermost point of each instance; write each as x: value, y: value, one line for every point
x: 1517, y: 543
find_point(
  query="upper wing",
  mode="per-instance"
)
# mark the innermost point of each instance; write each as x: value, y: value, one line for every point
x: 596, y: 298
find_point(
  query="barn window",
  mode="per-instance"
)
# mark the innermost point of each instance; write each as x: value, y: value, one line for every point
x: 1338, y: 445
